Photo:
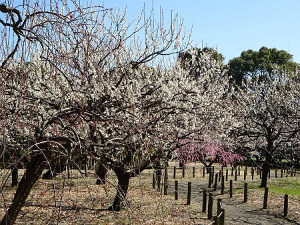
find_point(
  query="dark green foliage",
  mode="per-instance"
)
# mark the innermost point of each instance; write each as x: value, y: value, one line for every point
x: 262, y: 65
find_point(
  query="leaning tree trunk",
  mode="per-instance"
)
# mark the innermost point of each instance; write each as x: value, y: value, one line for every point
x: 123, y: 183
x: 101, y: 173
x: 33, y: 171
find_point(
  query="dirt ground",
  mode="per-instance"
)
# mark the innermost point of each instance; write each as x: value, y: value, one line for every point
x: 80, y: 201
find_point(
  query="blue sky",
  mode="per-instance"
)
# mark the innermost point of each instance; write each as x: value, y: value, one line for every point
x: 231, y: 26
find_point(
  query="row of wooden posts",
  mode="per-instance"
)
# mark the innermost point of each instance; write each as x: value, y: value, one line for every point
x: 237, y: 172
x: 219, y: 177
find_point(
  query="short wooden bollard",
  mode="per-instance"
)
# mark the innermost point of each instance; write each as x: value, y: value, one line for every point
x: 209, y: 180
x: 222, y: 217
x: 230, y: 188
x: 204, y: 171
x: 183, y: 171
x: 174, y: 173
x: 219, y: 206
x: 194, y: 171
x: 189, y: 193
x: 153, y: 181
x: 245, y: 192
x: 275, y: 173
x: 286, y: 202
x: 204, y: 200
x: 222, y: 185
x: 231, y: 171
x: 252, y: 173
x: 215, y: 220
x: 158, y: 178
x: 210, y: 206
x: 226, y: 175
x: 235, y: 176
x: 166, y: 180
x: 266, y: 198
x: 239, y: 171
x: 176, y: 190
x: 216, y: 182
x: 281, y: 175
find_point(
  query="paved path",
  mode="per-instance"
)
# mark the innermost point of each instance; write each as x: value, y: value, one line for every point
x: 236, y: 212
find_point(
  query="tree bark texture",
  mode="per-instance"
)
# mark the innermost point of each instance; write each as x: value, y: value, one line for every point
x: 123, y: 183
x: 32, y: 174
x: 101, y: 173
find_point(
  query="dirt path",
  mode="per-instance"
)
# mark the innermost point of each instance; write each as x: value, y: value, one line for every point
x: 236, y: 211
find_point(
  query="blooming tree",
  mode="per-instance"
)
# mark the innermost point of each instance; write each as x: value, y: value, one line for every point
x: 266, y: 118
x: 207, y: 152
x: 87, y: 84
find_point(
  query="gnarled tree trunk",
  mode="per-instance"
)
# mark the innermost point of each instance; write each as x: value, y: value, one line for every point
x: 101, y: 173
x: 123, y: 183
x: 33, y: 171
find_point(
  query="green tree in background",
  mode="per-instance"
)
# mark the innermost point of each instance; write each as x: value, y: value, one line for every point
x: 264, y: 64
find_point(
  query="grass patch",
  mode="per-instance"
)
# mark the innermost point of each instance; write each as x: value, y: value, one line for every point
x: 289, y: 186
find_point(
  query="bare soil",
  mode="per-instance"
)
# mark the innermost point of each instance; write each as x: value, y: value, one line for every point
x: 80, y: 201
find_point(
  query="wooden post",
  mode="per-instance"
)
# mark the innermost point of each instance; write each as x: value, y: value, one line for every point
x: 219, y: 203
x: 14, y: 176
x: 210, y: 206
x: 222, y: 185
x: 226, y: 175
x: 275, y: 173
x: 235, y: 175
x: 216, y: 182
x: 245, y: 174
x: 266, y: 198
x: 204, y: 171
x: 183, y: 171
x: 166, y: 178
x: 158, y: 173
x: 232, y: 171
x: 286, y: 202
x: 209, y: 180
x: 204, y: 200
x: 174, y: 173
x: 245, y: 192
x: 189, y: 193
x: 193, y: 171
x: 153, y: 181
x: 176, y: 189
x: 215, y: 220
x: 252, y: 173
x: 230, y: 189
x: 239, y: 169
x: 281, y: 175
x: 222, y: 217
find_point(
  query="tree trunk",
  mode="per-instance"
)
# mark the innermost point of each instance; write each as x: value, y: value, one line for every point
x: 101, y: 173
x: 123, y: 183
x: 33, y: 171
x: 14, y: 174
x: 265, y: 170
